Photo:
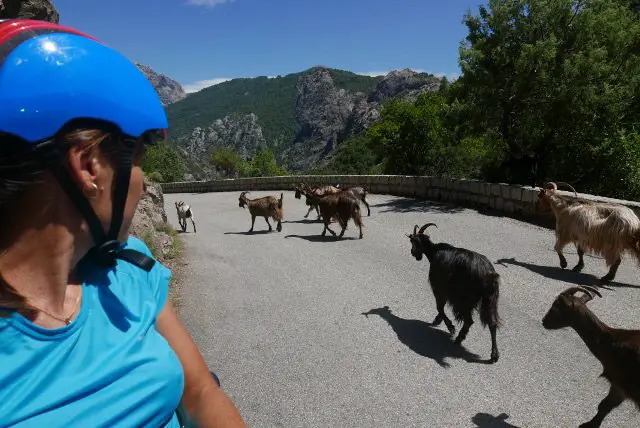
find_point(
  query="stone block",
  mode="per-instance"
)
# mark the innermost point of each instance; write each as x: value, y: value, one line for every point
x: 496, y: 189
x: 508, y: 207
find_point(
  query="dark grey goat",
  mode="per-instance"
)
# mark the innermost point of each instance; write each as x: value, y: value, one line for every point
x: 464, y: 279
x: 617, y: 349
x: 359, y: 192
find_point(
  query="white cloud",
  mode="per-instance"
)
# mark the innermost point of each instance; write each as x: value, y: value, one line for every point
x: 201, y: 84
x: 208, y: 3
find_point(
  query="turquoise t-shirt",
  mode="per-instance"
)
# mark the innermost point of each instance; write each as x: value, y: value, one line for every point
x: 109, y: 368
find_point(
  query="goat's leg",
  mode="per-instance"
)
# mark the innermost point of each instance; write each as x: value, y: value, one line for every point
x: 367, y: 205
x: 326, y: 227
x: 309, y: 212
x: 269, y: 224
x: 253, y: 220
x: 317, y: 212
x: 441, y: 301
x: 612, y: 271
x: 494, y: 344
x: 613, y: 399
x: 580, y: 265
x: 560, y: 244
x: 194, y: 225
x: 468, y: 322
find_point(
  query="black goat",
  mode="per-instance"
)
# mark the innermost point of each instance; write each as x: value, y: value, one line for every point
x: 617, y: 349
x: 464, y: 279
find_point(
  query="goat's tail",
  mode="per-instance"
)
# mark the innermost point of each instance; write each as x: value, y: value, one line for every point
x: 489, y: 301
x: 280, y: 200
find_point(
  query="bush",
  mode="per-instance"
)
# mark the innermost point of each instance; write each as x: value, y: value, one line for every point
x: 165, y: 159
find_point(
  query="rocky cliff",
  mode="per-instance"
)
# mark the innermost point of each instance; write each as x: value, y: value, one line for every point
x: 29, y: 9
x: 303, y: 117
x: 168, y: 89
x: 328, y: 115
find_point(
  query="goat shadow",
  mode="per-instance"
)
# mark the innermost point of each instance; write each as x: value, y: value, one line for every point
x: 406, y: 205
x: 485, y: 420
x: 319, y: 238
x: 255, y: 232
x: 424, y: 339
x: 565, y: 275
x: 304, y: 221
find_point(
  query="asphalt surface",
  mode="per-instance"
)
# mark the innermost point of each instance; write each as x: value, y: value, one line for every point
x: 278, y: 316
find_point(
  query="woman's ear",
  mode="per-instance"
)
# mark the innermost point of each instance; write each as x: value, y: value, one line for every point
x: 85, y: 167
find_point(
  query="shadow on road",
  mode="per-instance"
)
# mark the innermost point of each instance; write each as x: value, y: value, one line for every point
x: 304, y: 221
x: 255, y: 232
x: 485, y: 420
x: 405, y: 205
x: 566, y: 275
x: 424, y: 339
x: 319, y: 238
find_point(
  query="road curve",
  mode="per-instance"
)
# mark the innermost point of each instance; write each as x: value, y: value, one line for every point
x: 279, y: 317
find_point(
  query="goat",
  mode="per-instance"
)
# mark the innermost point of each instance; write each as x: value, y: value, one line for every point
x: 617, y: 349
x: 464, y: 279
x: 606, y: 229
x: 359, y: 192
x: 318, y: 191
x: 266, y: 206
x: 341, y: 205
x: 185, y: 212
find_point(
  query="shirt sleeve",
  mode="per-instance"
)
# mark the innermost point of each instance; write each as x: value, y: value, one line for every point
x: 158, y: 278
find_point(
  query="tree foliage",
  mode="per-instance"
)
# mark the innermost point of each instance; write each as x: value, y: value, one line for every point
x: 164, y: 163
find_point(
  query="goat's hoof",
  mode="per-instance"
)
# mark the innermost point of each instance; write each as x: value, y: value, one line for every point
x: 606, y: 278
x: 577, y: 268
x: 563, y: 265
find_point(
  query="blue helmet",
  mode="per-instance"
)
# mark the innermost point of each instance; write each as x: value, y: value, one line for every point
x: 52, y: 76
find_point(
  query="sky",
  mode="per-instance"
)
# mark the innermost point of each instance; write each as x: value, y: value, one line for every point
x: 203, y: 42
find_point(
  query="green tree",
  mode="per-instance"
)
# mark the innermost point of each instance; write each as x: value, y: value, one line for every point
x: 166, y: 160
x: 227, y: 161
x: 555, y: 80
x: 262, y: 164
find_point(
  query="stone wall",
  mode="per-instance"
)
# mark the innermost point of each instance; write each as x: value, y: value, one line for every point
x: 509, y: 200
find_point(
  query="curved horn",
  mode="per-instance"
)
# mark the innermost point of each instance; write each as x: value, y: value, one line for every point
x: 570, y: 187
x: 415, y: 229
x: 422, y: 229
x: 585, y: 289
x: 550, y: 183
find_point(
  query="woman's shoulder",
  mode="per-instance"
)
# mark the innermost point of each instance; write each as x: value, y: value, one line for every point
x: 132, y: 285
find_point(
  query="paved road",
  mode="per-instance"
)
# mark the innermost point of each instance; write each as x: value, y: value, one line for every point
x: 279, y: 317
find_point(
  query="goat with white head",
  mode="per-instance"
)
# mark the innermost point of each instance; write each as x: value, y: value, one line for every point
x: 185, y: 212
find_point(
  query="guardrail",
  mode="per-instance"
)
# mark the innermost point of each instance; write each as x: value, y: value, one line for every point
x: 509, y: 200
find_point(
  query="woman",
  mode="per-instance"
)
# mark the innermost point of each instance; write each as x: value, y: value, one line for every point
x: 87, y: 334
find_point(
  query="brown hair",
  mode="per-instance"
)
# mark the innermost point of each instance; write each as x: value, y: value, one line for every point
x: 20, y: 173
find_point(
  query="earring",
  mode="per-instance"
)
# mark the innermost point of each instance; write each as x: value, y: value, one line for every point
x: 94, y: 194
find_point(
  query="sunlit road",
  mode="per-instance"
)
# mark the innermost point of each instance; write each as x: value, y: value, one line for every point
x: 279, y: 317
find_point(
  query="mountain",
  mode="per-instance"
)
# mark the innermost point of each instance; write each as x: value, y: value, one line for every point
x: 168, y: 89
x: 29, y: 9
x: 302, y: 117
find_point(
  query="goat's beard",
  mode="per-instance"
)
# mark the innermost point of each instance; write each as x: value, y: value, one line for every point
x: 417, y: 255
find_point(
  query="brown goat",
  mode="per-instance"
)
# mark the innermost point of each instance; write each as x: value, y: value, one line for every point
x: 342, y: 206
x: 266, y: 206
x: 606, y: 229
x: 617, y: 349
x: 318, y: 191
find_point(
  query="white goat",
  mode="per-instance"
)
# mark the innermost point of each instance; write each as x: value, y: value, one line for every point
x: 608, y: 230
x: 185, y: 212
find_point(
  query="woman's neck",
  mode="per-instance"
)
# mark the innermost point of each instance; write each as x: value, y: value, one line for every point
x: 38, y: 265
